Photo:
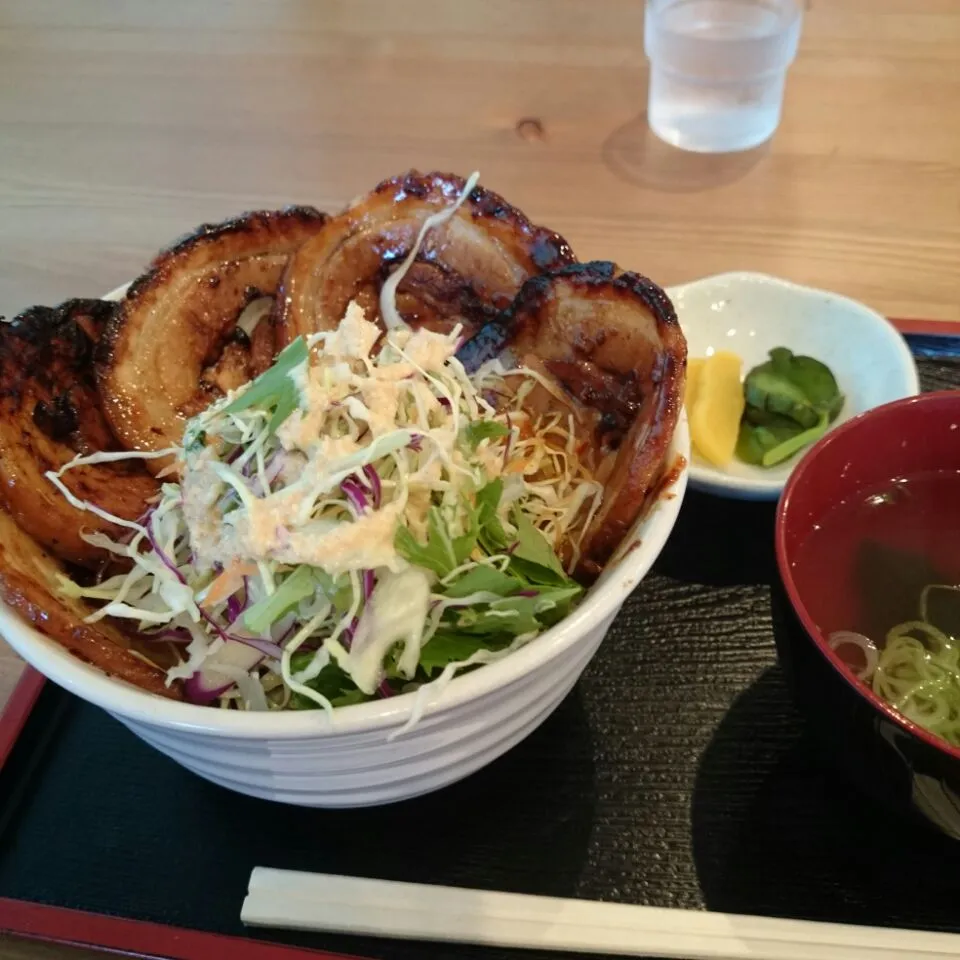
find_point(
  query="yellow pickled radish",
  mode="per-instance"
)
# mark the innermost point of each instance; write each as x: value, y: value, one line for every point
x: 694, y: 369
x: 717, y: 408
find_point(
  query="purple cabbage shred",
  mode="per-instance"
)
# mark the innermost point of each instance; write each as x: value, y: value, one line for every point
x: 376, y: 489
x: 354, y: 492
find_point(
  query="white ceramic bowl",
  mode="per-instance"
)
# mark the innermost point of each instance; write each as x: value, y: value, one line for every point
x: 750, y: 313
x: 302, y: 757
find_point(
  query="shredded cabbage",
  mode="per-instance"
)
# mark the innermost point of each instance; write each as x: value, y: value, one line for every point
x: 366, y: 522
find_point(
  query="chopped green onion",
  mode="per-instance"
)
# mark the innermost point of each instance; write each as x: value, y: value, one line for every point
x: 274, y: 388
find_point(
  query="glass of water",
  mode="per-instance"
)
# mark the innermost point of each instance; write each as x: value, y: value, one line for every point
x: 717, y: 70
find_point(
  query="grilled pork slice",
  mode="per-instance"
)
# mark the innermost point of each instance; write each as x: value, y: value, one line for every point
x: 466, y: 270
x: 612, y: 342
x: 173, y: 345
x: 28, y: 583
x: 49, y: 413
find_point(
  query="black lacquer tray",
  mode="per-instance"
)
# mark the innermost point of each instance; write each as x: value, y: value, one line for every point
x: 676, y: 774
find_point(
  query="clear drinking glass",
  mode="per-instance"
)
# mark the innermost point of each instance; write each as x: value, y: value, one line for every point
x: 717, y: 70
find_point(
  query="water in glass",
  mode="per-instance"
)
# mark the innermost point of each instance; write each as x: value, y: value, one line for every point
x: 718, y: 69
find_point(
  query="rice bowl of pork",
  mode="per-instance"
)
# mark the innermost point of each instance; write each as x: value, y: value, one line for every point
x: 235, y: 572
x: 364, y: 756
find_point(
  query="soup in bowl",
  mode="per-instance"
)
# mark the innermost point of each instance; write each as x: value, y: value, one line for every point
x: 867, y: 617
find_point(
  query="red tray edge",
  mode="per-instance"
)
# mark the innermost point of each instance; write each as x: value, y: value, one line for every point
x: 932, y: 328
x: 137, y: 938
x: 18, y: 709
x: 134, y: 938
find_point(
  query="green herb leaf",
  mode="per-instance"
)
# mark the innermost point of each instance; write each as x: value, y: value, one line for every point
x: 533, y: 549
x: 438, y: 536
x: 420, y: 554
x: 483, y: 579
x: 349, y: 697
x: 491, y: 535
x: 516, y: 615
x: 444, y: 648
x: 263, y: 614
x: 549, y: 606
x: 485, y: 621
x: 442, y: 553
x: 331, y: 682
x: 478, y: 430
x: 488, y: 499
x: 464, y: 544
x: 438, y: 554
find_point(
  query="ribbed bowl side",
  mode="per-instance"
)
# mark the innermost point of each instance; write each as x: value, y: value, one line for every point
x: 333, y: 771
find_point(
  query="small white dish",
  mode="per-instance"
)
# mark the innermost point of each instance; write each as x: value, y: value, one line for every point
x: 750, y: 314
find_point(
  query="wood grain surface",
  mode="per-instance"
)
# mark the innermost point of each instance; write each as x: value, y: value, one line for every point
x: 15, y: 949
x: 124, y: 124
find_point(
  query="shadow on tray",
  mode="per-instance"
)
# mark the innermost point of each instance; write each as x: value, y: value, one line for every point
x: 522, y: 824
x: 720, y: 542
x: 112, y: 826
x: 777, y: 830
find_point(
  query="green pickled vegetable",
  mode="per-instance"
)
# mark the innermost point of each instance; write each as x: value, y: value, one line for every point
x: 814, y: 378
x: 790, y: 402
x: 767, y: 391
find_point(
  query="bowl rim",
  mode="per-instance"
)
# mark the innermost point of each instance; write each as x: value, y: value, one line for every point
x: 795, y: 479
x: 712, y: 480
x: 646, y: 538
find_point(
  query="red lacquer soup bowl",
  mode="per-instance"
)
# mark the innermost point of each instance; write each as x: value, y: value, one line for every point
x: 870, y: 516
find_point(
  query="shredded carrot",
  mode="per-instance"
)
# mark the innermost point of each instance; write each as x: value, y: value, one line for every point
x: 228, y: 582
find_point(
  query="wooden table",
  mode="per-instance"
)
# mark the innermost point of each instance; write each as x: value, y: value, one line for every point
x: 124, y: 125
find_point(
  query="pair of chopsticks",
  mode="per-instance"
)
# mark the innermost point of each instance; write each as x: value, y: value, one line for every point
x: 411, y: 911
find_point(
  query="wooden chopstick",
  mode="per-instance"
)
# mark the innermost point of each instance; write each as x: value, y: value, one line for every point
x: 384, y: 908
